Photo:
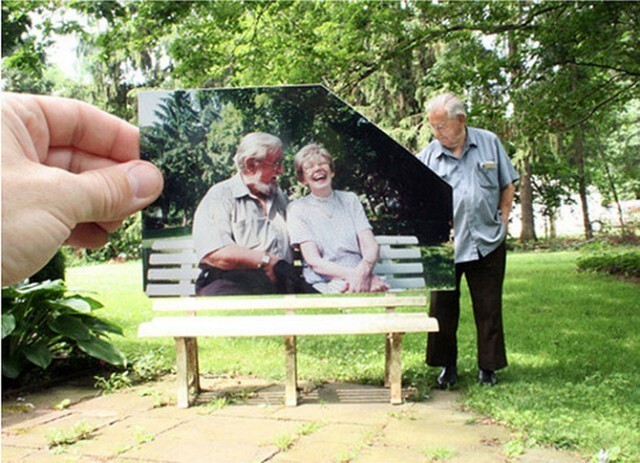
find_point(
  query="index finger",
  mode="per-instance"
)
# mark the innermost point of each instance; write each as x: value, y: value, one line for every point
x: 75, y: 124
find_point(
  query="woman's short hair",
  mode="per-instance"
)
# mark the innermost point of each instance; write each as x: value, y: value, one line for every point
x: 453, y: 105
x: 255, y: 145
x: 307, y: 152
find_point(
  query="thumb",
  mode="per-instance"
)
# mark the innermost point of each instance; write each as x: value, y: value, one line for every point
x: 115, y: 192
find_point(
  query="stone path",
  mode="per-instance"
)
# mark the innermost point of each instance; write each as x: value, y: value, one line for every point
x: 334, y: 423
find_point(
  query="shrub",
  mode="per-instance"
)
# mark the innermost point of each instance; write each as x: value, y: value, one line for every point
x: 41, y: 320
x: 623, y: 263
x: 54, y: 270
x: 125, y: 244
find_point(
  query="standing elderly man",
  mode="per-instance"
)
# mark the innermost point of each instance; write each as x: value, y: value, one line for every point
x: 239, y: 228
x: 476, y: 165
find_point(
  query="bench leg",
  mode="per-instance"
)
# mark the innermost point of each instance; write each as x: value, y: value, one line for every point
x: 193, y: 367
x: 394, y: 366
x: 291, y: 372
x: 387, y: 352
x: 187, y: 370
x: 387, y: 359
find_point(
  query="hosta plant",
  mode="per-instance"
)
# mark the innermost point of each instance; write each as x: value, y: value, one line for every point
x: 44, y: 320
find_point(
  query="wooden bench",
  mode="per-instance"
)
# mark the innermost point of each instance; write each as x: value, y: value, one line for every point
x: 170, y: 278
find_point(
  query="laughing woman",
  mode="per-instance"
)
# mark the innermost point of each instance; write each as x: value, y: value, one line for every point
x: 335, y: 238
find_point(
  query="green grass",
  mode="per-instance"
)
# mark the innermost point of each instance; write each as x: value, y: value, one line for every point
x: 572, y: 342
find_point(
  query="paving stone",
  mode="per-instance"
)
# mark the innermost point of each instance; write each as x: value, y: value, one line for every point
x: 340, y: 433
x: 338, y: 413
x: 112, y: 441
x: 15, y: 454
x: 175, y: 449
x: 420, y: 433
x: 124, y: 403
x: 25, y: 422
x: 314, y: 452
x: 38, y: 437
x: 377, y: 454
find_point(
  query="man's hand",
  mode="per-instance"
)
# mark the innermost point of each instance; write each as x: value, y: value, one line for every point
x: 70, y: 174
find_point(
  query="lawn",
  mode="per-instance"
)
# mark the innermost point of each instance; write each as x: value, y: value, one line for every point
x: 572, y: 341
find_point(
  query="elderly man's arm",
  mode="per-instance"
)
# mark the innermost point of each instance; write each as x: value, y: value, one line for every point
x: 506, y: 201
x: 236, y: 257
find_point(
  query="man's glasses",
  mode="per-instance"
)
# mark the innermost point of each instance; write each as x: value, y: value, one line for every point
x: 276, y: 165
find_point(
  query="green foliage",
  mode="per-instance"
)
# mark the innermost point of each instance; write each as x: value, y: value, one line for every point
x: 625, y: 263
x: 53, y: 270
x: 436, y: 454
x: 124, y: 244
x: 42, y: 320
x: 439, y: 269
x: 59, y: 437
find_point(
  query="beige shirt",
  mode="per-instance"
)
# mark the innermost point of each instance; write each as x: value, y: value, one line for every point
x: 230, y: 214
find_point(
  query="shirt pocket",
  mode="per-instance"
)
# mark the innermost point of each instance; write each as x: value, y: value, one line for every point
x: 250, y: 232
x: 488, y: 175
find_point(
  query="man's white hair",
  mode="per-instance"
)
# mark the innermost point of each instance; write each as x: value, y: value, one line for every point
x: 255, y: 145
x: 453, y: 105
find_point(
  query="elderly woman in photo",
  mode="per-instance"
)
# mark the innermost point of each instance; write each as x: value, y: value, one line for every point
x: 335, y: 238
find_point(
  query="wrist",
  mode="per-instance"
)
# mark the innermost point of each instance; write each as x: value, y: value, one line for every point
x: 369, y: 265
x: 265, y: 259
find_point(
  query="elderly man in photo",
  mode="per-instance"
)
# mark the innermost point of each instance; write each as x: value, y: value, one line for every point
x: 239, y: 227
x: 477, y: 167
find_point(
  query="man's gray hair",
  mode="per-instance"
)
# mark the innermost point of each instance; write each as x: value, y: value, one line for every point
x: 255, y: 145
x: 453, y: 105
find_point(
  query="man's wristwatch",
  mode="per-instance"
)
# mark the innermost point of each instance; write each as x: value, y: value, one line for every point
x: 266, y: 258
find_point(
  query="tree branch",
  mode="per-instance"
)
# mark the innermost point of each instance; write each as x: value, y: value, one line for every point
x: 604, y: 102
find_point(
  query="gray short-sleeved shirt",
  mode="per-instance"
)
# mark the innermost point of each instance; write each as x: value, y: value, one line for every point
x: 477, y: 178
x: 333, y: 224
x: 230, y: 214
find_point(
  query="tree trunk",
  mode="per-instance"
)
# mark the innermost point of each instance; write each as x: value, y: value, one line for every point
x: 552, y: 226
x: 528, y: 230
x: 582, y: 183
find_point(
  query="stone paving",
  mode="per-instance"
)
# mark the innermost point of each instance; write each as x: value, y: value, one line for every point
x: 242, y: 420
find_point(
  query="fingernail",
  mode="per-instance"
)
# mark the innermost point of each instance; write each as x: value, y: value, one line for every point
x: 145, y: 180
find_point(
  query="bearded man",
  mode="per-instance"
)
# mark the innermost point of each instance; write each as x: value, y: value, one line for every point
x: 239, y: 228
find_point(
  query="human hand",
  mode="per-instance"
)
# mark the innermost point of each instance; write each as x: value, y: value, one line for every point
x: 269, y: 268
x: 359, y: 280
x: 70, y: 174
x: 378, y: 284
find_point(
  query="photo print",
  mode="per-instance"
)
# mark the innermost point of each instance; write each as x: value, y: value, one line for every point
x: 229, y: 162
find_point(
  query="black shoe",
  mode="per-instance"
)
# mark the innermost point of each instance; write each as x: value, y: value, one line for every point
x: 448, y: 377
x: 487, y: 377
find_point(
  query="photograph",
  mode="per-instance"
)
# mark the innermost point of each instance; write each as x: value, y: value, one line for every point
x: 280, y: 190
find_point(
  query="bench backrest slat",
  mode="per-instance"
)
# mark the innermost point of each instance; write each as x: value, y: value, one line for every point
x: 172, y: 267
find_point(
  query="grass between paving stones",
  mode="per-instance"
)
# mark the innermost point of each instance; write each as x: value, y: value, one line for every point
x: 572, y: 341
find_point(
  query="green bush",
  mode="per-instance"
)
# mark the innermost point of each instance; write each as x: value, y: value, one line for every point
x: 623, y: 263
x: 54, y: 270
x: 41, y: 320
x: 124, y: 244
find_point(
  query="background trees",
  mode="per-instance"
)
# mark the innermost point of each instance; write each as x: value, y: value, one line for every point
x: 563, y: 99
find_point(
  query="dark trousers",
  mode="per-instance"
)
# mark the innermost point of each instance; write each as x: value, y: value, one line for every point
x: 484, y: 279
x: 216, y: 282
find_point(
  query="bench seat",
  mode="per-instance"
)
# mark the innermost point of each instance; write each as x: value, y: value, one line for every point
x: 287, y: 325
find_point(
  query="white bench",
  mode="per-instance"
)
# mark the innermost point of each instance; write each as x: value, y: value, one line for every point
x: 172, y: 271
